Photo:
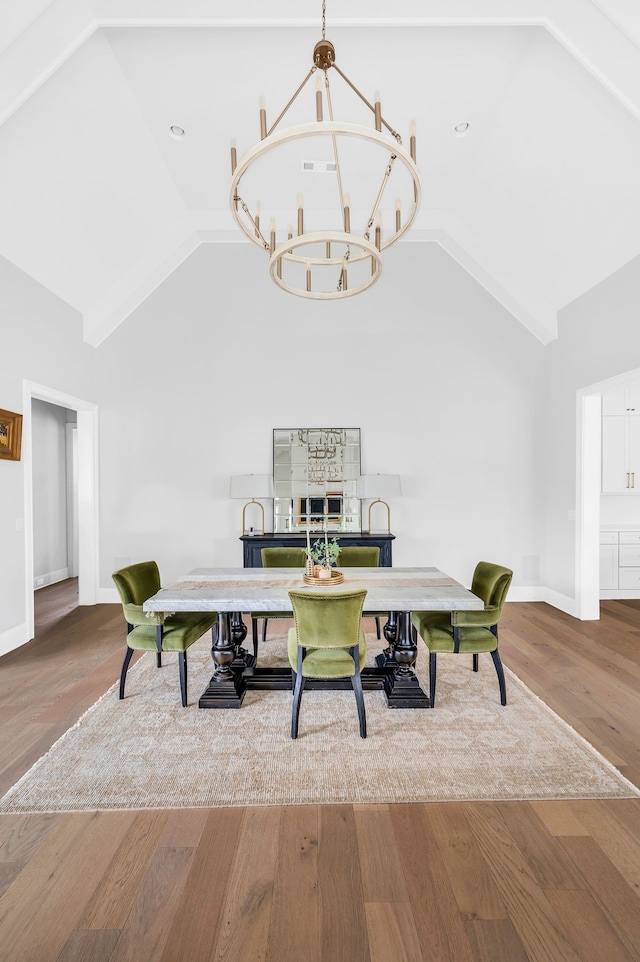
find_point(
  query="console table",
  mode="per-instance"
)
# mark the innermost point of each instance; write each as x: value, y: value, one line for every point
x: 253, y: 544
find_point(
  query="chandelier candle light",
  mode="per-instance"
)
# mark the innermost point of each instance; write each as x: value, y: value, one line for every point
x: 337, y: 249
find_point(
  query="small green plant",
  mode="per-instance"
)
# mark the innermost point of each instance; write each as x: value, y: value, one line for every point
x: 324, y: 553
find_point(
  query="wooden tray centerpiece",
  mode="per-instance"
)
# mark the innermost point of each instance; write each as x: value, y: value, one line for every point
x: 337, y: 577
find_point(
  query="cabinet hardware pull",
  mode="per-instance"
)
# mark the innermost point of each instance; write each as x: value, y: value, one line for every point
x: 633, y: 479
x: 627, y: 479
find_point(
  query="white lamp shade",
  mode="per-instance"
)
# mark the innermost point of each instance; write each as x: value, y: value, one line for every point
x: 381, y: 486
x: 248, y: 486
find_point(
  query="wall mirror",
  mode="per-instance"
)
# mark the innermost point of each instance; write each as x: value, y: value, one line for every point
x: 315, y: 471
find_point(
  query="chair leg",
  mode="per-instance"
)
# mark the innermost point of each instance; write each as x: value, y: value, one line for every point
x: 123, y: 673
x: 297, y: 698
x: 432, y: 678
x: 159, y: 635
x: 500, y: 673
x: 264, y: 630
x: 182, y: 663
x: 254, y: 631
x: 475, y: 661
x: 378, y: 629
x: 356, y: 683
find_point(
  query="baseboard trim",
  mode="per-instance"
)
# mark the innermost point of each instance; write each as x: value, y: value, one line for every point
x: 526, y: 593
x: 50, y: 578
x: 562, y: 602
x: 12, y: 639
x: 107, y: 596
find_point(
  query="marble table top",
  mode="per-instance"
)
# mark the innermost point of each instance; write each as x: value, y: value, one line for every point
x: 266, y: 589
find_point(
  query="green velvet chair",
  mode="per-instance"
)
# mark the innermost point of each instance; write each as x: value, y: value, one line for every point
x: 275, y: 558
x: 158, y: 632
x: 327, y: 641
x: 363, y: 556
x: 467, y: 632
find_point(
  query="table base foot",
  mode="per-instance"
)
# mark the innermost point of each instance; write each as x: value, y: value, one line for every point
x: 224, y: 692
x: 386, y: 659
x: 403, y: 691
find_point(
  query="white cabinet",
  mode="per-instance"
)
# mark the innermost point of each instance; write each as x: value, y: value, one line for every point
x: 620, y: 564
x: 625, y: 400
x: 620, y: 454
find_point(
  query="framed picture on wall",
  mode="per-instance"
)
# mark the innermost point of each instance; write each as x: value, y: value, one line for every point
x: 10, y: 435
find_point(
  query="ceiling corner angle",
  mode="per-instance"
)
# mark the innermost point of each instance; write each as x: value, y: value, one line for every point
x: 471, y: 252
x: 135, y: 286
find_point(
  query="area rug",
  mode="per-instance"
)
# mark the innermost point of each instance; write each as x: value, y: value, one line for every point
x: 149, y: 752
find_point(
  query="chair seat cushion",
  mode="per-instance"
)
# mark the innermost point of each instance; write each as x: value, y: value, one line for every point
x: 325, y: 662
x: 472, y: 640
x: 180, y: 631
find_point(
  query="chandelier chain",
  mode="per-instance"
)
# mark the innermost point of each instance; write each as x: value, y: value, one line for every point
x: 247, y: 212
x: 385, y: 179
x: 347, y: 255
x: 324, y: 19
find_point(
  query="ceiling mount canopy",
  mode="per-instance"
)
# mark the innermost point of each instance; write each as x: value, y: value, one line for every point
x: 328, y: 224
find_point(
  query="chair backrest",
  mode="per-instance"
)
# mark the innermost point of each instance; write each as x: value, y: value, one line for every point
x: 135, y: 584
x: 283, y: 557
x: 359, y: 556
x: 327, y: 621
x: 491, y: 583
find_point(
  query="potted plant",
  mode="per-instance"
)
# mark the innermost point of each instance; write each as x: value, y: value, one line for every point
x: 324, y: 554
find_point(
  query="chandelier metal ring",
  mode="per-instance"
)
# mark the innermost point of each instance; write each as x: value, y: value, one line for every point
x: 285, y: 251
x: 326, y: 128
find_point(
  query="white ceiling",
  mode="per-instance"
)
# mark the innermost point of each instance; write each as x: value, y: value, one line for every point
x: 539, y: 201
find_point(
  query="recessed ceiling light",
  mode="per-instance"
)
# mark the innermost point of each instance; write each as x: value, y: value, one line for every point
x: 462, y: 128
x: 176, y: 132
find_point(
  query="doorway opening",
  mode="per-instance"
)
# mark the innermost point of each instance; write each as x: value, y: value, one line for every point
x: 86, y: 556
x: 588, y: 493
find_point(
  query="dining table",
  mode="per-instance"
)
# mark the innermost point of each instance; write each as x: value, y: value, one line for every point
x: 232, y: 592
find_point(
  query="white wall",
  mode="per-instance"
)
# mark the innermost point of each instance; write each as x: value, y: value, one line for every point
x: 42, y: 341
x: 442, y: 381
x: 446, y: 386
x: 599, y: 338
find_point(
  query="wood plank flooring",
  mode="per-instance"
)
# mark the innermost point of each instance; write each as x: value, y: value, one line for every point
x: 461, y: 882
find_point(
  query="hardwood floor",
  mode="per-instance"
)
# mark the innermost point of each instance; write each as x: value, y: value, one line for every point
x: 506, y: 882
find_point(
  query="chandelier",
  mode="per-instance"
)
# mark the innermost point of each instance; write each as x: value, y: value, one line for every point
x: 335, y: 204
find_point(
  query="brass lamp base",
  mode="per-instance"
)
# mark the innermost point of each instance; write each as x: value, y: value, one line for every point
x: 244, y: 510
x: 380, y: 501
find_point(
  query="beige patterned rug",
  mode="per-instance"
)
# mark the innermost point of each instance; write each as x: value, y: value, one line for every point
x: 148, y: 752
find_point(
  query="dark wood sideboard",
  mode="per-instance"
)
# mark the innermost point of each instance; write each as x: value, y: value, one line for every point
x: 253, y: 544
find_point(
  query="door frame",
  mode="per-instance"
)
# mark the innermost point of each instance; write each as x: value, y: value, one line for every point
x: 588, y: 492
x: 87, y: 414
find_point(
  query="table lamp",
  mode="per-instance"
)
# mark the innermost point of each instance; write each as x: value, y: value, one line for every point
x: 250, y: 487
x: 378, y: 487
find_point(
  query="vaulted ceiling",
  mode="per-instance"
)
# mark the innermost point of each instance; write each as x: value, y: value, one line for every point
x: 539, y: 200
